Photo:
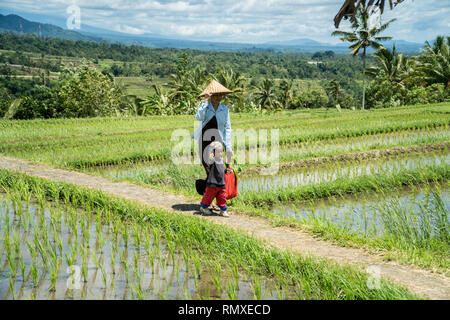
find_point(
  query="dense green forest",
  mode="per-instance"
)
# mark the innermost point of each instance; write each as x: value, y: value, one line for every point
x: 45, y: 77
x: 161, y: 62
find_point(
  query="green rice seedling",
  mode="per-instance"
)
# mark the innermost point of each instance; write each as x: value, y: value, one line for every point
x: 281, y: 291
x: 147, y: 244
x: 135, y: 259
x: 69, y: 259
x: 104, y: 276
x: 186, y: 255
x: 83, y: 229
x: 34, y: 274
x: 53, y: 276
x: 216, y: 278
x: 235, y: 271
x: 12, y: 264
x: 22, y: 269
x: 151, y: 256
x: 171, y: 247
x: 84, y: 268
x: 86, y: 234
x: 231, y: 290
x: 43, y: 253
x: 98, y: 224
x: 137, y: 236
x: 12, y: 287
x: 163, y: 261
x: 137, y: 275
x: 113, y: 260
x: 101, y: 242
x: 94, y: 257
x: 7, y: 243
x: 256, y: 285
x: 196, y: 261
x: 156, y: 238
x: 140, y: 294
x: 16, y: 243
x: 125, y: 235
x: 124, y: 262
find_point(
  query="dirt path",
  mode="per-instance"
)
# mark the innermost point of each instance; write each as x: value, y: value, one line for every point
x: 421, y: 282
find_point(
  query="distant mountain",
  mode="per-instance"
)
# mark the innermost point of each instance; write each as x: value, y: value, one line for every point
x: 15, y: 23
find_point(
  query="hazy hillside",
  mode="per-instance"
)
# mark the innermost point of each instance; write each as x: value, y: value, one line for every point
x: 18, y: 24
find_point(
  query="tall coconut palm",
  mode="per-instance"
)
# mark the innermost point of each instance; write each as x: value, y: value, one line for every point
x: 433, y: 65
x: 363, y: 37
x: 350, y: 8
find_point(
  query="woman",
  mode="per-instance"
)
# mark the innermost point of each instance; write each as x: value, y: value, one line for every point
x: 216, y: 125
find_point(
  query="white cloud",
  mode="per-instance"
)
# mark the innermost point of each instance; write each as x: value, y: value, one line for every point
x: 240, y: 21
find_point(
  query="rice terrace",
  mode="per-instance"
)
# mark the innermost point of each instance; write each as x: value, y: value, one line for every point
x: 342, y: 176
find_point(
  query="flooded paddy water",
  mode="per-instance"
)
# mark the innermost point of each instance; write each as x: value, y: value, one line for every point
x: 316, y: 174
x: 375, y: 214
x: 53, y: 251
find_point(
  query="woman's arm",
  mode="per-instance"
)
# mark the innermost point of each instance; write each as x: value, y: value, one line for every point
x: 201, y: 110
x: 202, y: 107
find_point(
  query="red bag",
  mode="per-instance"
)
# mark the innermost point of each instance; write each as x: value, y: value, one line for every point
x: 231, y: 185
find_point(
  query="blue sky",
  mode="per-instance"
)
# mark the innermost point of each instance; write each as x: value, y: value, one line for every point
x: 251, y: 21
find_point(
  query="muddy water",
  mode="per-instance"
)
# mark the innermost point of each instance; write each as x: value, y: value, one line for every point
x: 367, y: 214
x: 350, y: 169
x: 143, y: 266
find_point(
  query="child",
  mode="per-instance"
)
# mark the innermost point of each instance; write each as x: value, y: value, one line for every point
x: 215, y: 183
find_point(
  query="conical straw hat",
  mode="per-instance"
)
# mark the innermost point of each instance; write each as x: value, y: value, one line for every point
x: 215, y: 87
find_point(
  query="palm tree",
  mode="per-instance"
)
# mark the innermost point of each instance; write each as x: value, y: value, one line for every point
x: 156, y: 104
x: 333, y: 89
x: 286, y: 92
x: 391, y: 66
x: 265, y: 94
x: 234, y: 81
x: 363, y: 37
x: 433, y: 65
x: 350, y: 8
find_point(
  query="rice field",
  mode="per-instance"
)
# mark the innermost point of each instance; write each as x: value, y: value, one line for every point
x: 376, y: 179
x: 56, y: 236
x: 58, y: 252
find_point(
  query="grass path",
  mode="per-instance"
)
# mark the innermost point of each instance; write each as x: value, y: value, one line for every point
x: 421, y: 282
